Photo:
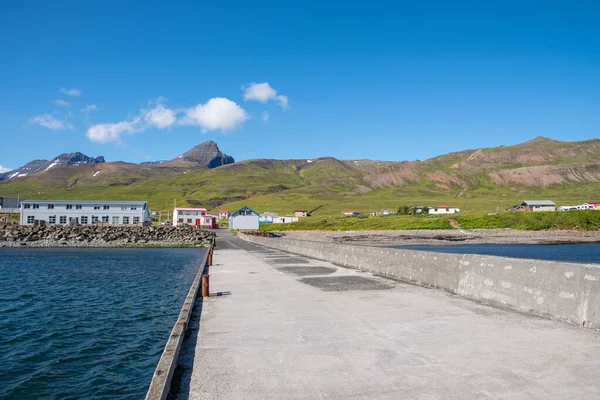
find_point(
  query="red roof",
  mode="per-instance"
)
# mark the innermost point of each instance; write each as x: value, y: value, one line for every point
x: 593, y: 202
x: 444, y: 207
x: 300, y: 210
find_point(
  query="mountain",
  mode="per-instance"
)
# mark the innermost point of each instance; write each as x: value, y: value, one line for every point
x: 204, y: 155
x: 63, y: 160
x: 483, y: 179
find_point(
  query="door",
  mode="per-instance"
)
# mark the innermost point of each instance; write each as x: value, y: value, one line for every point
x: 198, y: 222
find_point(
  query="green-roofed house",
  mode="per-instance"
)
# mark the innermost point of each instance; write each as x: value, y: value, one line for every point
x: 244, y: 219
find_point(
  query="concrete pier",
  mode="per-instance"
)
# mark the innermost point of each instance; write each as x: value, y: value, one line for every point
x: 284, y: 326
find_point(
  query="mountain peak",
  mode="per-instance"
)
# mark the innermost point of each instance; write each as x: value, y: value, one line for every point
x: 207, y: 154
x: 539, y: 140
x: 62, y: 160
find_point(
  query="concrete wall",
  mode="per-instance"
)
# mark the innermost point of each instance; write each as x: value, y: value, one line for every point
x: 565, y: 291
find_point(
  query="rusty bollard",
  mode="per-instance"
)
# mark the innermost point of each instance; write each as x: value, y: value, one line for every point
x: 210, y: 257
x: 205, y: 285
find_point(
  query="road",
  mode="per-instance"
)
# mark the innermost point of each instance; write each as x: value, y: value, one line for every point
x: 282, y: 326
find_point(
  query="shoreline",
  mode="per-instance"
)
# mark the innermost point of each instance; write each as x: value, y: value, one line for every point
x: 444, y: 237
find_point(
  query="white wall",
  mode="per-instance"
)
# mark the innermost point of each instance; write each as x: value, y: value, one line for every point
x: 449, y: 210
x: 244, y: 222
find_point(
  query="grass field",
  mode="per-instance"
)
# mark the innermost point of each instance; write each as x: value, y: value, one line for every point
x: 585, y: 220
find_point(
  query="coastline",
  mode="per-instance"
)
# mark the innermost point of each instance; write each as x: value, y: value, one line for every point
x: 109, y: 236
x: 443, y: 237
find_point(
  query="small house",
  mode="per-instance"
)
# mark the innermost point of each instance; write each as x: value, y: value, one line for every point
x: 188, y: 216
x: 267, y: 217
x: 244, y: 219
x: 443, y: 210
x: 592, y: 205
x: 350, y: 212
x: 300, y: 213
x: 223, y: 214
x: 538, y: 205
x: 284, y: 220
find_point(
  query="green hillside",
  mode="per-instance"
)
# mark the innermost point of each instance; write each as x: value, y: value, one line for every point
x: 483, y: 180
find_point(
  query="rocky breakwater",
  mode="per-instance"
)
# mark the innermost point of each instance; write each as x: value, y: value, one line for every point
x: 103, y: 236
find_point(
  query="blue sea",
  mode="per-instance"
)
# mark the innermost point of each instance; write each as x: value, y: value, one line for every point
x: 87, y: 323
x: 577, y: 253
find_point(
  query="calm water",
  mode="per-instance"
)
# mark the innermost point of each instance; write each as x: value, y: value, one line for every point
x: 579, y: 253
x: 87, y: 323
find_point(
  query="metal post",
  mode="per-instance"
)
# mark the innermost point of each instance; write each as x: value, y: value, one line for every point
x: 205, y: 285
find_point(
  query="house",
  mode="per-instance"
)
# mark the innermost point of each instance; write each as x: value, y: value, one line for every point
x: 538, y: 205
x: 223, y: 214
x: 244, y: 219
x: 385, y: 211
x: 443, y: 210
x: 188, y: 216
x: 566, y: 208
x: 592, y: 205
x: 84, y: 212
x: 284, y: 220
x: 301, y: 213
x: 267, y: 217
x: 350, y: 212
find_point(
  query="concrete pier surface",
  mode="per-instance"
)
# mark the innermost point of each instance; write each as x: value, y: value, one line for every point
x: 288, y: 327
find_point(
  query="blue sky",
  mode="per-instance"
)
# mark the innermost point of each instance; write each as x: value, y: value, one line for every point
x: 139, y: 81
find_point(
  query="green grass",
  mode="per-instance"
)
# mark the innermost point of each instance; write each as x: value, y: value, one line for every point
x: 585, y: 220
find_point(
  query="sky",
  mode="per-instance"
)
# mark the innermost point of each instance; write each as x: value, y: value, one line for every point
x: 389, y: 80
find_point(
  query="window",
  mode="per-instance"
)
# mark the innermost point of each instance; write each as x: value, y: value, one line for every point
x: 50, y: 206
x: 133, y: 208
x: 69, y: 206
x: 78, y: 206
x: 115, y: 220
x: 26, y: 205
x: 84, y: 220
x: 180, y: 213
x: 35, y: 206
x: 125, y: 220
x: 189, y: 220
x: 30, y: 219
x: 105, y: 218
x: 106, y: 207
x: 136, y: 220
x: 123, y: 208
x: 63, y: 219
x: 94, y: 219
x: 96, y: 207
x: 52, y: 219
x: 180, y: 220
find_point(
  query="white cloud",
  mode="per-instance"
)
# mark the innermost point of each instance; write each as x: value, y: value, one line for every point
x: 263, y: 92
x: 265, y: 116
x: 71, y: 92
x: 89, y: 108
x: 48, y: 121
x: 217, y: 113
x: 105, y: 133
x: 62, y: 103
x: 160, y: 116
x: 4, y: 169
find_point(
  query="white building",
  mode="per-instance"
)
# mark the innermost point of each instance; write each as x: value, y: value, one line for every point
x: 284, y: 220
x: 244, y: 219
x: 223, y: 214
x: 538, y: 205
x: 84, y: 212
x: 443, y: 210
